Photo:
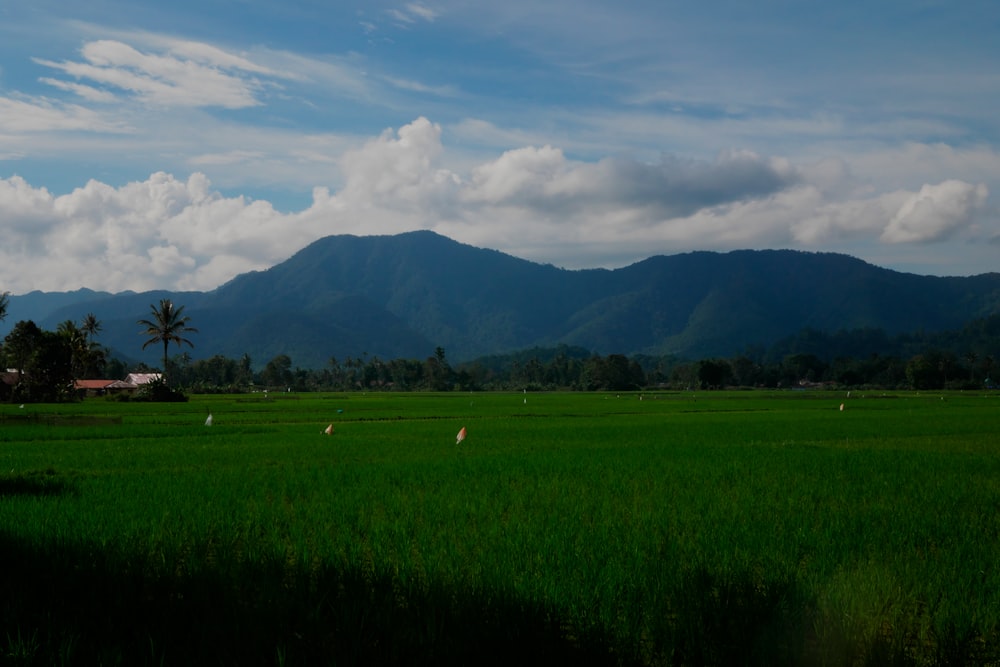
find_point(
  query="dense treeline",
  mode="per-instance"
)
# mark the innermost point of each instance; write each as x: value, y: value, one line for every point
x: 860, y: 358
x: 565, y: 368
x: 48, y: 361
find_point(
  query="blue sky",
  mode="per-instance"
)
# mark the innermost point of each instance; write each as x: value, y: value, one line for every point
x: 175, y: 145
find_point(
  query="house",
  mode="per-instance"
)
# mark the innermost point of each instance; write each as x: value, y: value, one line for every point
x: 91, y: 387
x: 105, y: 387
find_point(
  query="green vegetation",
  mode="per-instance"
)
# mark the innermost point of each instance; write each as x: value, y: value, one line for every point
x: 166, y: 324
x: 572, y: 368
x: 674, y: 528
x: 43, y: 364
x: 399, y: 297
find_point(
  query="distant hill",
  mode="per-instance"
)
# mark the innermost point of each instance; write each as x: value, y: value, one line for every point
x: 404, y: 295
x: 37, y: 305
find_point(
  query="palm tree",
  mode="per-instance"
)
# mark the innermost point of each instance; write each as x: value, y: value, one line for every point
x: 166, y: 326
x: 91, y: 326
x: 76, y: 342
x: 94, y: 357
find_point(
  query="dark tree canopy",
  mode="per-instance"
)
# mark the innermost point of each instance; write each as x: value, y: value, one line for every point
x: 43, y: 361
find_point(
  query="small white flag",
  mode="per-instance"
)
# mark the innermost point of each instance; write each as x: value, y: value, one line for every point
x: 208, y: 422
x: 328, y: 430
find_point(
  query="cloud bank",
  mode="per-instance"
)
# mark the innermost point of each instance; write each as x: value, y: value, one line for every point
x: 534, y: 202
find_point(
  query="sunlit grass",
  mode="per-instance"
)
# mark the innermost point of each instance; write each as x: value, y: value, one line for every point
x: 673, y: 528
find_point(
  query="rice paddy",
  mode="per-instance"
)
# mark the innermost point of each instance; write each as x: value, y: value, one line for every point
x: 609, y: 529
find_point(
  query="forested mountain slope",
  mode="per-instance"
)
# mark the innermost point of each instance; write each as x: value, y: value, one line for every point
x: 404, y: 295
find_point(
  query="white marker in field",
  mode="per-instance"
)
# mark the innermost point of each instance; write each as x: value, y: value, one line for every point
x: 208, y: 421
x: 461, y: 436
x: 841, y: 407
x: 328, y: 430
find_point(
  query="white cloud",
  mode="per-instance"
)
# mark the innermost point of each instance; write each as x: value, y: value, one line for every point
x: 672, y: 187
x: 423, y: 11
x: 535, y: 202
x: 161, y: 232
x: 518, y: 176
x: 418, y: 87
x: 45, y: 115
x: 825, y: 221
x: 936, y: 212
x: 228, y: 157
x: 189, y: 75
x: 166, y: 261
x: 25, y: 208
x: 899, y: 166
x: 213, y: 56
x: 483, y: 132
x: 397, y: 170
x: 88, y: 93
x: 411, y: 13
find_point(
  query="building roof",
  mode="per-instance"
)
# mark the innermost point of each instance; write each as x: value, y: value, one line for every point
x: 92, y: 384
x: 120, y: 384
x: 141, y: 378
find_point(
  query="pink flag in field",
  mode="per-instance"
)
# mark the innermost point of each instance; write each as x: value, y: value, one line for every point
x: 461, y: 436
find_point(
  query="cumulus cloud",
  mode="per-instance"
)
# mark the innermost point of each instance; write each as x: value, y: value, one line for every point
x: 398, y: 170
x: 535, y: 202
x: 161, y: 232
x: 673, y: 187
x: 826, y: 221
x: 936, y: 212
x: 518, y: 177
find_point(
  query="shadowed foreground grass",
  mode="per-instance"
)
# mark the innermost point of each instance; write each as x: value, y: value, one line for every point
x: 77, y: 604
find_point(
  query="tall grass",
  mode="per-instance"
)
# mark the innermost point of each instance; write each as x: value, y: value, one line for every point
x: 593, y: 529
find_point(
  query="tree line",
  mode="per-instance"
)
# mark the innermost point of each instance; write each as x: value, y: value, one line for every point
x: 49, y: 361
x: 42, y: 366
x: 565, y: 368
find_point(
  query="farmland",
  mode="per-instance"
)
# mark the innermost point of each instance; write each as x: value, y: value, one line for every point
x: 632, y: 529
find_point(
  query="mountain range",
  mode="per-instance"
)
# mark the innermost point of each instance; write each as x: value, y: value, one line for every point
x: 405, y: 295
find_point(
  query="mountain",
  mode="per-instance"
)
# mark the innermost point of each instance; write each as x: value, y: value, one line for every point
x: 38, y: 305
x: 404, y: 295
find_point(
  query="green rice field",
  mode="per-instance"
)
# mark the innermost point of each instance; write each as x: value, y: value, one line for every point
x: 749, y: 528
